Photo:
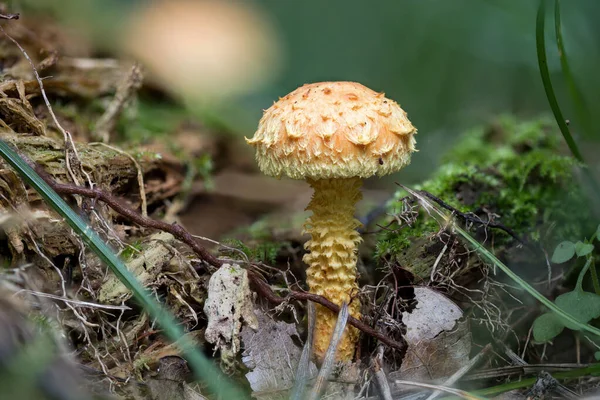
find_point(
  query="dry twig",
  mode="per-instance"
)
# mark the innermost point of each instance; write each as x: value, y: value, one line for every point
x: 75, y: 302
x: 127, y: 88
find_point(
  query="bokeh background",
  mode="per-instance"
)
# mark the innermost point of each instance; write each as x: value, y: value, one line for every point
x: 451, y: 64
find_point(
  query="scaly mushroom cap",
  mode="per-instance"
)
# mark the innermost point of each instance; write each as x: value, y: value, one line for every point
x: 333, y: 130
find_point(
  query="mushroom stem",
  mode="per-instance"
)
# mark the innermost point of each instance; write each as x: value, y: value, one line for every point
x: 331, y: 257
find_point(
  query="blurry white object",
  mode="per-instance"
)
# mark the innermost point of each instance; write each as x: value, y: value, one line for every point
x: 204, y: 49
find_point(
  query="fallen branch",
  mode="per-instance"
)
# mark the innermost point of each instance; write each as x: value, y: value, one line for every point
x: 264, y: 289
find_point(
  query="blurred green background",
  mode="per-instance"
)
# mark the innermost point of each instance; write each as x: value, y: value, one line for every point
x: 451, y: 64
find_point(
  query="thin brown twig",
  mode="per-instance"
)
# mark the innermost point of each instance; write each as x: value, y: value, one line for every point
x: 125, y: 91
x: 261, y: 286
x: 117, y: 205
x: 264, y: 289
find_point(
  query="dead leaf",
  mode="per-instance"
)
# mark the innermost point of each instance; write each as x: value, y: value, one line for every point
x: 272, y: 356
x: 228, y: 306
x: 439, y: 343
x: 169, y: 383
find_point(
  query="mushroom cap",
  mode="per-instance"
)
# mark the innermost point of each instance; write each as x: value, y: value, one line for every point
x: 333, y: 130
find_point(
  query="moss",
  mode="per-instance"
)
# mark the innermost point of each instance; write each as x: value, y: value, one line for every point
x: 266, y: 239
x: 132, y: 250
x: 141, y: 364
x: 258, y: 250
x: 392, y: 243
x: 150, y: 118
x: 204, y: 165
x: 512, y: 169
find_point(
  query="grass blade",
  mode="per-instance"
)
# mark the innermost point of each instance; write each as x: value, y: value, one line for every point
x: 444, y: 217
x: 303, y: 370
x: 540, y: 41
x: 592, y: 370
x: 583, y: 114
x: 329, y: 359
x: 202, y: 367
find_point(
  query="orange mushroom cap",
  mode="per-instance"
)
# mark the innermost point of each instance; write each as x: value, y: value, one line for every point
x: 333, y: 130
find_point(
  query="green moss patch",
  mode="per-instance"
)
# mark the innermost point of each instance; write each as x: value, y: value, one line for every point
x: 513, y: 171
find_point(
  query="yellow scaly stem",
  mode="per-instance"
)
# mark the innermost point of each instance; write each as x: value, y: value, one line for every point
x: 331, y: 257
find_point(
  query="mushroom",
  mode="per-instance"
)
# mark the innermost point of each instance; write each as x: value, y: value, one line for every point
x: 333, y: 134
x: 204, y: 49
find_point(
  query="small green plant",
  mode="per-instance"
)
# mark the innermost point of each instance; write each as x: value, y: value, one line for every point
x: 131, y: 250
x: 264, y: 251
x: 204, y: 166
x: 581, y: 305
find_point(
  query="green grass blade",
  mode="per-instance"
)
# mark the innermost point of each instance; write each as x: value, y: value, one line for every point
x: 593, y: 370
x: 583, y: 114
x: 547, y: 82
x: 444, y: 217
x: 202, y: 367
x: 526, y: 286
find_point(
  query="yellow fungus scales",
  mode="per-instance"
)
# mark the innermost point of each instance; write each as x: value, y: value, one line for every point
x: 333, y: 134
